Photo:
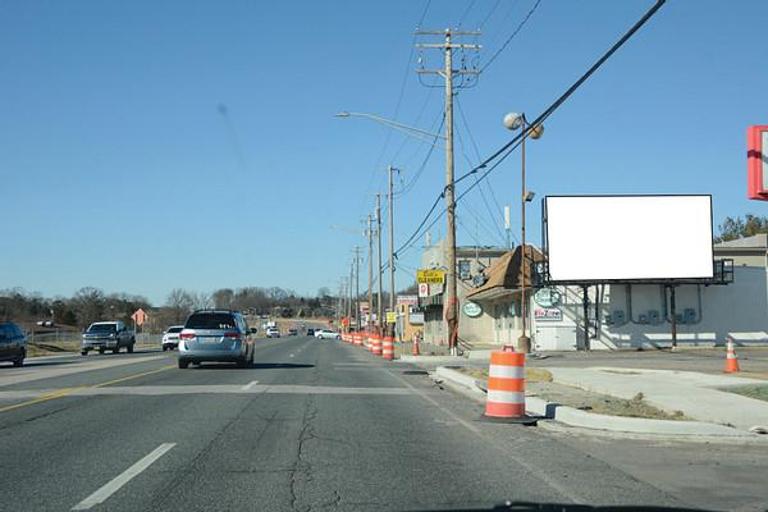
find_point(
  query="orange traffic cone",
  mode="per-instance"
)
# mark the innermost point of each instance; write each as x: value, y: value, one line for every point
x: 731, y: 360
x: 415, y: 348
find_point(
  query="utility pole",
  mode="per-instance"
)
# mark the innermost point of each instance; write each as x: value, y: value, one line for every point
x: 357, y: 287
x: 379, y: 272
x: 369, y: 235
x: 508, y: 225
x: 391, y: 235
x: 450, y: 306
x: 349, y: 292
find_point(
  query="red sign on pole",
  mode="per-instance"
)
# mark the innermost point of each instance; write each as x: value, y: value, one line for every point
x: 757, y: 162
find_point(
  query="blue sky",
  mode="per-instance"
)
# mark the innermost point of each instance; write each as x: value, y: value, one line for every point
x: 119, y: 169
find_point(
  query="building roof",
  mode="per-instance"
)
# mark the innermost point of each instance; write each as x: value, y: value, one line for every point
x: 752, y: 242
x: 504, y: 275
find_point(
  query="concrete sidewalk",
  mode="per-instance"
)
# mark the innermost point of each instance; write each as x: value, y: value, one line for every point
x: 692, y: 393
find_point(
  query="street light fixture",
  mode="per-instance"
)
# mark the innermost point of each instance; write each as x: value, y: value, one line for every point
x: 409, y: 130
x: 513, y: 121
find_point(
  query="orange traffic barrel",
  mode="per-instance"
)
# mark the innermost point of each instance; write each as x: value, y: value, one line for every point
x: 731, y: 359
x: 376, y: 349
x: 387, y: 348
x: 506, y: 387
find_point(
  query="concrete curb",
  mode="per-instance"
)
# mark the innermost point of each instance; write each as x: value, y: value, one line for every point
x: 431, y: 359
x: 578, y: 418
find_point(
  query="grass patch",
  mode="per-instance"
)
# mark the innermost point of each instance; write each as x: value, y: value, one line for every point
x: 756, y: 391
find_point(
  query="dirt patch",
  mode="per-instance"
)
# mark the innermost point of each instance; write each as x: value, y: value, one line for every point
x: 757, y: 391
x: 597, y: 403
x: 531, y: 374
x: 539, y: 384
x: 425, y: 349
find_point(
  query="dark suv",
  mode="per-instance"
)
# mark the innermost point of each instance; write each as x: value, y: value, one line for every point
x: 13, y: 343
x: 215, y: 335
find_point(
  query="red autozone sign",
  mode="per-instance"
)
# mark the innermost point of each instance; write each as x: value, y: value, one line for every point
x: 757, y: 162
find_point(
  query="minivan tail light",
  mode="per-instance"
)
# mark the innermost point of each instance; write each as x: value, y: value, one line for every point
x: 187, y: 335
x: 235, y: 335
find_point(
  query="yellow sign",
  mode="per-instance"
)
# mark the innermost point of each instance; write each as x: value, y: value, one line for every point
x: 430, y: 276
x: 391, y: 317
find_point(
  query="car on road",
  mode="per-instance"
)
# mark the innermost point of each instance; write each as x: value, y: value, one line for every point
x: 215, y: 335
x: 273, y: 332
x: 327, y: 334
x: 310, y: 331
x: 171, y: 337
x: 13, y: 343
x: 112, y: 335
x: 293, y: 332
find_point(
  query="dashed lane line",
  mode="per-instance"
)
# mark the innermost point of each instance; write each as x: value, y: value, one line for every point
x: 114, y: 485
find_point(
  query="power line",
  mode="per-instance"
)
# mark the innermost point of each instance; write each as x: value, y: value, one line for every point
x: 512, y: 36
x: 510, y: 146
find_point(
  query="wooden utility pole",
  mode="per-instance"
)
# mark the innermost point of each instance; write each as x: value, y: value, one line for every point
x: 450, y: 305
x: 357, y: 287
x: 391, y: 235
x: 369, y: 235
x: 379, y: 272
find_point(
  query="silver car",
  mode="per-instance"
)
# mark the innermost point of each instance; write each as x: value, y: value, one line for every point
x: 215, y: 335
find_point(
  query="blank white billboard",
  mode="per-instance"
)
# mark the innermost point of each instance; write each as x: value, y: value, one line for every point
x: 604, y: 238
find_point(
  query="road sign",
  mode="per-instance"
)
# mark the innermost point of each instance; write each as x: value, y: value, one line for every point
x: 430, y: 276
x: 391, y: 317
x: 139, y: 316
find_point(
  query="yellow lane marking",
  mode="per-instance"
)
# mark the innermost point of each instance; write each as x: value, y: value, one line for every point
x: 60, y: 393
x: 44, y: 398
x: 129, y: 377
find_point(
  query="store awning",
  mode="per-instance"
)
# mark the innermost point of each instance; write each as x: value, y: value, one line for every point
x: 504, y: 275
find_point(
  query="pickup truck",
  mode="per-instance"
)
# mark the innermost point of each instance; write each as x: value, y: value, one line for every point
x: 107, y: 335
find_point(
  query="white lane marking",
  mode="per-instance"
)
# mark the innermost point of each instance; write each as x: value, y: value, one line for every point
x: 123, y: 478
x: 248, y: 386
x: 434, y: 402
x: 291, y: 355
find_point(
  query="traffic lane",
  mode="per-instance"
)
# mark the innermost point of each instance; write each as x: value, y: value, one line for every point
x: 80, y: 444
x: 271, y: 450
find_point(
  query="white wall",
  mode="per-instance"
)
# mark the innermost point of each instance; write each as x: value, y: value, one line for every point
x: 739, y: 309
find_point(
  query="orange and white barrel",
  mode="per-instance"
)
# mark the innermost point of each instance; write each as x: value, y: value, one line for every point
x: 358, y: 339
x: 376, y: 345
x: 506, y: 384
x: 388, y: 348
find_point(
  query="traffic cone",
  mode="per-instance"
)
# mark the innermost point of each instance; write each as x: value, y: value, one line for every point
x: 731, y: 360
x: 415, y: 348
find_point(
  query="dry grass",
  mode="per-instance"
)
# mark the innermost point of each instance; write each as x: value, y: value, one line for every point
x: 756, y: 391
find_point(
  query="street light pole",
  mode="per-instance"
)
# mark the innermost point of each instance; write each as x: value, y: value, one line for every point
x: 514, y: 121
x: 524, y: 342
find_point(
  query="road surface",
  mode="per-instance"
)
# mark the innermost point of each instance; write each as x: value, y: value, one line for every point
x: 317, y: 426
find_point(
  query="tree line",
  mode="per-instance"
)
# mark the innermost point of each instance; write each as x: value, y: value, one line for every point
x: 91, y: 304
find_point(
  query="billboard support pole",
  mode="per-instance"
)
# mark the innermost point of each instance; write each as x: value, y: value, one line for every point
x: 673, y: 311
x: 585, y: 305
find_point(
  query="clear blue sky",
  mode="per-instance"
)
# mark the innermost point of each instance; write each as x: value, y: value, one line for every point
x: 119, y: 170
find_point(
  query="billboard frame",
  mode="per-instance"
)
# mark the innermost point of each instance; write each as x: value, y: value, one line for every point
x: 545, y: 277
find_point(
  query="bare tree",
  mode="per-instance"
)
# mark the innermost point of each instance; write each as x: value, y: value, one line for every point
x: 180, y: 302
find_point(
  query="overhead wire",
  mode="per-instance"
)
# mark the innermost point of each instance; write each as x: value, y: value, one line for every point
x: 505, y: 150
x: 512, y: 36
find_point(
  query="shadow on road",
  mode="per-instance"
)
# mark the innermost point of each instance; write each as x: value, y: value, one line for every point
x: 563, y: 507
x: 255, y: 366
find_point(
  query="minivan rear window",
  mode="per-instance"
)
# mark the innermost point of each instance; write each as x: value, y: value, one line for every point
x: 173, y: 330
x: 210, y: 321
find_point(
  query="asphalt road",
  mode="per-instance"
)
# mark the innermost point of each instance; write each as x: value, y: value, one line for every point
x: 313, y: 425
